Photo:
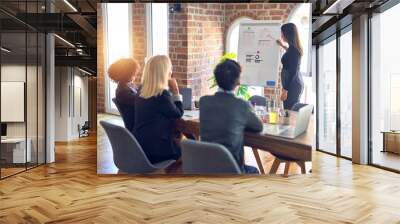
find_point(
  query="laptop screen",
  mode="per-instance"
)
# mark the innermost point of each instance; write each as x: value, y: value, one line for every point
x: 303, y: 119
x: 187, y: 98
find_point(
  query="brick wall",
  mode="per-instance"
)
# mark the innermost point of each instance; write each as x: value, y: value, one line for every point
x: 178, y: 45
x: 139, y: 35
x: 196, y: 43
x: 100, y: 60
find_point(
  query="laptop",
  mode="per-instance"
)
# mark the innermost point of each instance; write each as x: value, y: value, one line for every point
x: 288, y: 131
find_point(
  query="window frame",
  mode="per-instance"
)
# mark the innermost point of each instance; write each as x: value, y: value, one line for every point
x: 334, y: 37
x: 107, y: 98
x: 371, y: 15
x: 149, y: 30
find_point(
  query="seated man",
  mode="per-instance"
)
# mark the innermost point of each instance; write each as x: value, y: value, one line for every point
x: 224, y: 117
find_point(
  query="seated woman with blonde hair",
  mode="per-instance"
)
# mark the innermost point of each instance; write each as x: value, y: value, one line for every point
x: 123, y: 72
x: 158, y: 105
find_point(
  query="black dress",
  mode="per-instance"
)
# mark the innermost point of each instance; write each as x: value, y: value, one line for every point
x: 155, y: 119
x: 125, y: 95
x: 292, y: 80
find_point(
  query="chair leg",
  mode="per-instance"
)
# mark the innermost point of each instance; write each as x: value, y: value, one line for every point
x: 302, y: 165
x: 258, y: 159
x: 287, y: 166
x: 275, y: 166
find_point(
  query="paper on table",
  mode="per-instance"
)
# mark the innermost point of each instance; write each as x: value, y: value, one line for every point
x: 190, y: 115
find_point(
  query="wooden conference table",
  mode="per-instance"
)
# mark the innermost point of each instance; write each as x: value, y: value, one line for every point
x: 297, y: 150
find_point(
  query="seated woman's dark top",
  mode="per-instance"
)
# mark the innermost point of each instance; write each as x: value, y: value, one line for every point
x: 155, y: 125
x: 125, y: 99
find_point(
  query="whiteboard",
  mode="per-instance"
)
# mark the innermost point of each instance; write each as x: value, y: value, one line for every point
x: 258, y: 53
x: 12, y: 101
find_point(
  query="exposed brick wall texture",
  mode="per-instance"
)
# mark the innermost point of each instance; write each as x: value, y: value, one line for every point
x: 196, y: 44
x: 100, y: 61
x: 139, y: 35
x: 178, y: 44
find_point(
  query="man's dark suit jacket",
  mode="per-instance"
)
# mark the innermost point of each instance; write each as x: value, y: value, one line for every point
x: 223, y: 120
x: 155, y: 120
x: 125, y: 96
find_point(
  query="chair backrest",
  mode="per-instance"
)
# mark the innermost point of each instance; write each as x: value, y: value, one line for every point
x: 120, y: 111
x: 298, y: 106
x: 127, y: 154
x: 86, y: 125
x: 186, y: 97
x: 258, y: 100
x: 207, y: 158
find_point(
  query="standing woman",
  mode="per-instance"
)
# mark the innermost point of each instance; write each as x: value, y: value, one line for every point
x: 157, y: 107
x: 292, y: 81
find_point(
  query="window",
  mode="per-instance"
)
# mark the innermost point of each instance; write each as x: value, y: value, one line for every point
x: 22, y: 95
x: 118, y: 43
x: 346, y: 94
x: 327, y: 97
x: 385, y: 85
x: 301, y: 17
x: 157, y: 28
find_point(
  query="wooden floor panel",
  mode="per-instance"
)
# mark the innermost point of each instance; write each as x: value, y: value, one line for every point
x: 70, y: 191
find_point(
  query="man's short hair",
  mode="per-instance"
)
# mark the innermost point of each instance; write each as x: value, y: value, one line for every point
x: 227, y: 74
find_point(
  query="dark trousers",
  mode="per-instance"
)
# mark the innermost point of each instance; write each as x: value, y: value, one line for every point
x: 294, y: 94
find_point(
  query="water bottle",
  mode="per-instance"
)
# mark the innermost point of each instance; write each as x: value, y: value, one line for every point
x: 274, y: 107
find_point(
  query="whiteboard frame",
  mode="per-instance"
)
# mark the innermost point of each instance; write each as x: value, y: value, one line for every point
x: 260, y: 22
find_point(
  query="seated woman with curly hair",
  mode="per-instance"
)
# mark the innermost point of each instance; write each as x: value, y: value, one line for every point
x: 123, y: 72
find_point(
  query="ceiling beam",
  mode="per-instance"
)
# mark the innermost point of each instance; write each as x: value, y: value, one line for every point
x: 84, y: 24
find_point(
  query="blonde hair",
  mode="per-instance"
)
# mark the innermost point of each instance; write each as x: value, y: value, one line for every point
x: 155, y: 76
x: 123, y: 70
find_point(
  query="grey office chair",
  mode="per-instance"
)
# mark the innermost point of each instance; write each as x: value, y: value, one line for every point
x: 207, y: 158
x: 258, y: 100
x: 128, y: 155
x: 298, y: 106
x: 186, y: 97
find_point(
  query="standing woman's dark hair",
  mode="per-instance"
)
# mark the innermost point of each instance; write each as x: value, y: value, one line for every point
x: 291, y: 35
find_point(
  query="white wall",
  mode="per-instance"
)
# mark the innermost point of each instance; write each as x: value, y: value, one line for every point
x: 71, y: 94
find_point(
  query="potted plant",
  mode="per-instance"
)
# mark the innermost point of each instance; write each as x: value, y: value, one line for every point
x: 243, y: 90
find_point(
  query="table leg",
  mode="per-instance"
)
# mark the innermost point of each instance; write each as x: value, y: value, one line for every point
x: 302, y: 165
x: 258, y: 159
x: 287, y: 166
x: 275, y: 166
